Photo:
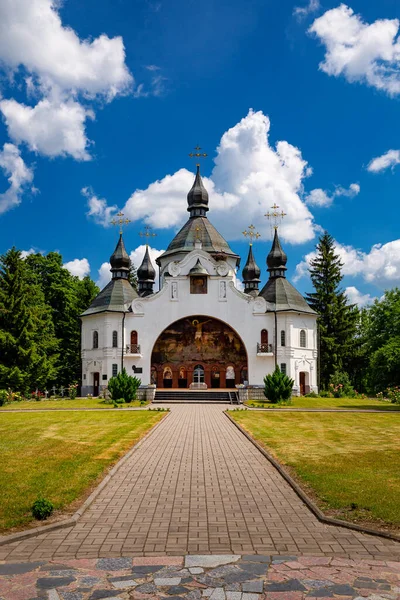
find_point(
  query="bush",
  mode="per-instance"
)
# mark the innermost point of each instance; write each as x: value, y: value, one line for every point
x: 325, y: 394
x: 311, y: 395
x: 340, y: 385
x: 3, y: 397
x: 42, y: 509
x: 393, y: 394
x: 278, y: 386
x: 123, y: 386
x: 72, y: 391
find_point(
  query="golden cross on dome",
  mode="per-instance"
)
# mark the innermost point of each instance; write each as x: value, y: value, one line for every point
x: 198, y: 154
x: 251, y: 233
x: 120, y: 221
x: 275, y: 216
x: 147, y: 234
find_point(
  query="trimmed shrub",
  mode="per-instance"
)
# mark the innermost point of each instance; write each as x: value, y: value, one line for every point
x: 278, y: 386
x: 42, y: 509
x: 123, y: 386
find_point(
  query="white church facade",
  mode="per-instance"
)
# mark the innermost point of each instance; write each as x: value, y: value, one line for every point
x: 199, y: 331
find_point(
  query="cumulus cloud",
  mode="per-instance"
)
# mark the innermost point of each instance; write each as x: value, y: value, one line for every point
x: 136, y: 256
x: 319, y: 197
x: 49, y: 128
x: 98, y: 208
x: 19, y: 177
x: 104, y: 275
x: 380, y: 163
x: 249, y: 176
x: 361, y: 52
x: 301, y: 12
x: 79, y: 267
x: 380, y: 266
x: 356, y: 297
x: 25, y: 253
x: 64, y: 70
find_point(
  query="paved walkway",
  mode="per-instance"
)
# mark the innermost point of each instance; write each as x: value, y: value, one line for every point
x: 197, y: 486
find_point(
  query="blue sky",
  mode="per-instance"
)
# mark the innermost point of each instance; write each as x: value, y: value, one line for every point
x: 110, y: 96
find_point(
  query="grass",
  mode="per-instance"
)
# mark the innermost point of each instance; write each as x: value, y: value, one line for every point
x: 60, y: 456
x: 349, y: 403
x: 349, y: 463
x: 66, y: 403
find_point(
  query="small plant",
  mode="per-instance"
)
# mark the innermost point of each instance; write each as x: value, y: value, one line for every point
x: 393, y: 394
x: 3, y: 397
x: 89, y: 396
x: 72, y: 391
x: 278, y: 386
x: 340, y: 385
x: 325, y: 394
x: 42, y: 508
x: 123, y: 386
x: 311, y: 395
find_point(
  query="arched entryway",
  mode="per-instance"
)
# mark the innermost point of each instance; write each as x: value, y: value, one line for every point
x: 198, y: 349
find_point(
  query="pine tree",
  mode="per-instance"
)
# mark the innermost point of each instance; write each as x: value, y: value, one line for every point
x: 27, y: 343
x: 132, y: 276
x: 337, y: 318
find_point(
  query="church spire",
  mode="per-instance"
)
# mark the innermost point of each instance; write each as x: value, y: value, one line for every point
x: 120, y: 261
x: 146, y: 275
x: 197, y: 197
x: 276, y: 259
x: 251, y: 274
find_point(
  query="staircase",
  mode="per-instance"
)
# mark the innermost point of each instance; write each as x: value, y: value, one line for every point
x: 198, y: 397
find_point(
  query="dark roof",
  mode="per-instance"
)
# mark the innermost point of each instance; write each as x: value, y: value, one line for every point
x: 211, y: 240
x: 283, y: 296
x: 146, y: 271
x: 251, y: 271
x: 198, y: 195
x: 115, y: 297
x: 119, y: 259
x: 276, y: 258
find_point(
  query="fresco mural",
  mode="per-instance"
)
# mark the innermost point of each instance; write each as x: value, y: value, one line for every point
x: 198, y: 340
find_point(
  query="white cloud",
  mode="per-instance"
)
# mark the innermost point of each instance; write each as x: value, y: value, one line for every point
x: 380, y: 266
x: 78, y: 267
x: 66, y: 71
x: 136, y: 257
x: 380, y: 163
x: 49, y: 128
x: 98, y: 208
x: 319, y: 197
x: 25, y: 253
x: 32, y: 34
x: 249, y: 176
x: 301, y: 12
x: 362, y: 52
x: 356, y: 297
x: 19, y: 177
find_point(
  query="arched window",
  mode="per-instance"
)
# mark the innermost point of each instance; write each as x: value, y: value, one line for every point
x: 95, y: 339
x: 115, y: 339
x: 303, y: 339
x: 198, y: 374
x: 134, y: 337
x: 283, y: 338
x: 264, y: 336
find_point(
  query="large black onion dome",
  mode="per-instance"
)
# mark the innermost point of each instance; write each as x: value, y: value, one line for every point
x: 146, y: 270
x: 197, y: 197
x: 120, y: 261
x: 276, y: 259
x: 251, y: 274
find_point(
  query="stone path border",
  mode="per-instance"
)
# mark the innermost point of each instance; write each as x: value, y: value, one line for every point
x: 71, y: 521
x: 306, y: 499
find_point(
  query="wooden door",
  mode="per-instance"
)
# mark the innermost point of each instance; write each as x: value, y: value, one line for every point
x: 96, y: 384
x: 264, y: 337
x: 302, y: 383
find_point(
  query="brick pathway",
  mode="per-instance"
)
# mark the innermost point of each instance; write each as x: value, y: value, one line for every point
x: 198, y: 486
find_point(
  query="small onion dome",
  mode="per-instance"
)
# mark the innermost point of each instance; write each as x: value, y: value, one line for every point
x: 120, y: 261
x: 197, y: 197
x: 198, y: 269
x: 251, y: 274
x: 146, y: 275
x: 276, y: 259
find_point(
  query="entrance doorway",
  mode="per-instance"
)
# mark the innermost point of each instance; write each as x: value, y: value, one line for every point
x: 167, y: 377
x: 198, y: 374
x: 96, y: 384
x: 302, y: 381
x: 215, y: 378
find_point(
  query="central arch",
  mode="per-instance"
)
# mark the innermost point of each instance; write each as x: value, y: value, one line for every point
x: 199, y: 344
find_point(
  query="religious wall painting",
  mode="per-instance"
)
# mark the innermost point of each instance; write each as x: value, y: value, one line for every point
x: 198, y: 285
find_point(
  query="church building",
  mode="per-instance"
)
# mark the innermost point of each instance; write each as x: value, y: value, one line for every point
x: 199, y: 331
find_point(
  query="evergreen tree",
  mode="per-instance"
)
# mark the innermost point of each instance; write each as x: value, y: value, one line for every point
x: 27, y: 343
x: 132, y: 276
x: 337, y: 318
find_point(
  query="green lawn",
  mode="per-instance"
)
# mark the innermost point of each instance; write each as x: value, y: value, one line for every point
x: 354, y: 403
x: 349, y: 462
x: 60, y: 455
x: 66, y: 403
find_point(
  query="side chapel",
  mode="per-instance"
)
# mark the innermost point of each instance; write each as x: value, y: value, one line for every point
x: 199, y: 331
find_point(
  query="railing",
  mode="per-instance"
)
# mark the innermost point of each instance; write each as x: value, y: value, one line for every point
x: 133, y: 349
x: 264, y: 348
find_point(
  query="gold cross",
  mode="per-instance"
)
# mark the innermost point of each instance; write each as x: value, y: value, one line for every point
x: 275, y: 216
x: 147, y: 234
x: 252, y: 234
x: 198, y: 154
x: 120, y: 221
x: 198, y: 239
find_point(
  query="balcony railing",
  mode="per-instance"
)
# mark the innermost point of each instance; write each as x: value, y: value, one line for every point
x: 264, y: 348
x: 133, y: 349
